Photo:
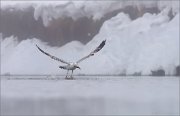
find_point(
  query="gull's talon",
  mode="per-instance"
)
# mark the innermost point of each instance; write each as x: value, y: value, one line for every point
x: 66, y: 77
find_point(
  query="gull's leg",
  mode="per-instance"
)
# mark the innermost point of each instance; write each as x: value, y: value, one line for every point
x: 67, y: 74
x: 72, y: 74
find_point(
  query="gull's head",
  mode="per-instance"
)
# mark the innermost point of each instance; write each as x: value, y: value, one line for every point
x: 76, y: 65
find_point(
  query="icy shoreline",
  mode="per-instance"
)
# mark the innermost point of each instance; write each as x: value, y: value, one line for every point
x: 134, y: 47
x: 140, y: 96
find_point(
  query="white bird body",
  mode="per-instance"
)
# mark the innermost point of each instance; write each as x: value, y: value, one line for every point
x: 73, y: 65
x: 70, y: 66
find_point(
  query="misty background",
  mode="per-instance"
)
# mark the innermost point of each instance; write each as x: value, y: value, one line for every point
x: 23, y: 25
x: 67, y: 25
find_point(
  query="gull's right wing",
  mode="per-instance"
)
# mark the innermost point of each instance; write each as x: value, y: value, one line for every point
x: 93, y: 52
x: 53, y: 57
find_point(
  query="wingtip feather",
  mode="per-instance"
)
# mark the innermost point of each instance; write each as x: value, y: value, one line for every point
x: 37, y: 46
x: 104, y: 41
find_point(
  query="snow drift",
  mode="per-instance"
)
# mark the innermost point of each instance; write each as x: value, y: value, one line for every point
x: 49, y: 10
x: 147, y: 43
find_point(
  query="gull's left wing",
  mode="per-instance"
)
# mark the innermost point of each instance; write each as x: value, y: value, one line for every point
x: 53, y: 57
x: 93, y: 52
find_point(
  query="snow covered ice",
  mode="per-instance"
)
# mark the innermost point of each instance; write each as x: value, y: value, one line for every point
x: 137, y: 42
x: 147, y: 43
x: 113, y: 96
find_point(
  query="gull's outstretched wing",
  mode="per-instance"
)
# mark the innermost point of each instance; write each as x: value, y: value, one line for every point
x: 53, y: 57
x: 93, y: 52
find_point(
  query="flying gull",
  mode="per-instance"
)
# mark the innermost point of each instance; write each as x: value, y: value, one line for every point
x: 73, y: 65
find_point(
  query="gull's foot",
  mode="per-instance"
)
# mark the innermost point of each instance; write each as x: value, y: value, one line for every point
x: 69, y: 78
x: 66, y: 77
x: 72, y: 78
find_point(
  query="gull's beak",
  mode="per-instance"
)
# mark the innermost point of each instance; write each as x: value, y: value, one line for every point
x: 78, y: 67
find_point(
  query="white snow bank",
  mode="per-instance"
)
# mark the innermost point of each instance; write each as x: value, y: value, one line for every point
x: 26, y: 59
x: 147, y: 43
x: 49, y: 10
x: 142, y: 45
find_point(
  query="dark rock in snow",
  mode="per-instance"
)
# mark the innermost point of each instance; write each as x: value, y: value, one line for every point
x: 159, y: 72
x: 178, y: 70
x: 137, y: 74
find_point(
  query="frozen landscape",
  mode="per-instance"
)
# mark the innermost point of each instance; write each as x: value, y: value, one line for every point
x: 134, y: 45
x: 91, y: 96
x: 136, y: 73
